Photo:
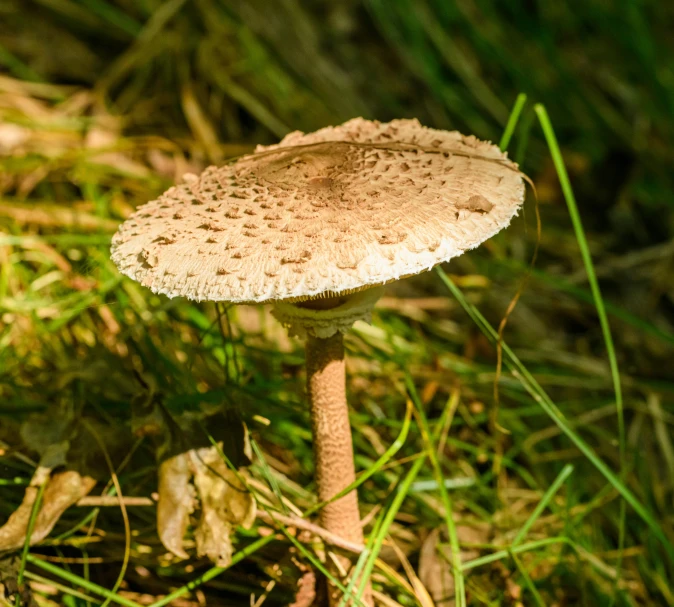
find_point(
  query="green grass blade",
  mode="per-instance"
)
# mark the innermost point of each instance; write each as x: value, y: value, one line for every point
x: 459, y: 586
x: 266, y: 471
x: 214, y: 572
x: 570, y: 198
x: 76, y: 580
x: 29, y: 533
x: 60, y: 587
x: 17, y: 67
x: 549, y: 494
x: 528, y: 582
x: 355, y: 576
x: 386, y: 520
x: 503, y: 554
x: 512, y: 121
x: 112, y: 16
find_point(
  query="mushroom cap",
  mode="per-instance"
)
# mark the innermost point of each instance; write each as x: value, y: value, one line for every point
x: 322, y: 214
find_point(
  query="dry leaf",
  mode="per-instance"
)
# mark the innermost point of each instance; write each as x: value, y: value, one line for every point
x: 225, y: 503
x: 435, y: 571
x: 62, y: 490
x: 193, y: 474
x: 223, y: 499
x: 176, y: 502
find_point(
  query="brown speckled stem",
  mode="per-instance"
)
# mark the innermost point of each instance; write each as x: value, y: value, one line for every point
x: 333, y: 448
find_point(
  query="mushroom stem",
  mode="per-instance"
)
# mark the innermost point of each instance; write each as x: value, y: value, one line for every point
x: 333, y: 447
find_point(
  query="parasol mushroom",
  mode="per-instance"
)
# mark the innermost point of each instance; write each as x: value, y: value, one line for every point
x: 316, y: 225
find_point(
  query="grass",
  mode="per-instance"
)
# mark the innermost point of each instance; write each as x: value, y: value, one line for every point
x: 579, y: 509
x: 29, y: 533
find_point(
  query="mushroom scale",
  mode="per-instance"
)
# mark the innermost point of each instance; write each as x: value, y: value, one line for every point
x: 334, y: 211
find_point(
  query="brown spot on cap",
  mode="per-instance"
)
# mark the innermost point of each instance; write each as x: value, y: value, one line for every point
x: 303, y: 257
x: 391, y: 237
x: 209, y: 225
x: 477, y: 204
x: 165, y: 239
x: 320, y: 182
x: 148, y: 258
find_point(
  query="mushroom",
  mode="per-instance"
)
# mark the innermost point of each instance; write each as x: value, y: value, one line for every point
x: 316, y: 225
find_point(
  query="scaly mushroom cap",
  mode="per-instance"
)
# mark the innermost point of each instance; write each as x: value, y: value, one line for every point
x: 324, y: 213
